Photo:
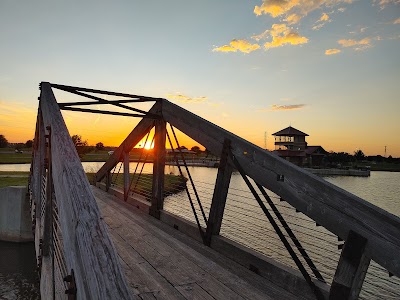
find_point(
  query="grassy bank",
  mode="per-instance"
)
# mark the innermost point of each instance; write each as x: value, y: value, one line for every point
x: 142, y: 185
x: 8, y: 156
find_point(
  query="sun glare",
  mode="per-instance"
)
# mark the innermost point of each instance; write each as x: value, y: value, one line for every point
x: 149, y: 145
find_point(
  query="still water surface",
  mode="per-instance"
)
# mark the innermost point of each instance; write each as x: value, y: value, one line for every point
x: 244, y: 223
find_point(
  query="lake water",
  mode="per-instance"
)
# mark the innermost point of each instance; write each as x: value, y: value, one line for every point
x: 245, y: 223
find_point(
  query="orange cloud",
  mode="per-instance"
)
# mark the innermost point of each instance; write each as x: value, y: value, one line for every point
x: 186, y: 99
x: 282, y: 35
x: 275, y: 107
x: 332, y: 51
x: 397, y: 21
x: 293, y: 19
x: 294, y: 9
x: 238, y: 45
x: 384, y: 3
x: 275, y: 8
x: 359, y: 45
x: 324, y: 18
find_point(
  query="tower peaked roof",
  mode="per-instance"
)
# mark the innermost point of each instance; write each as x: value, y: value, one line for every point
x: 290, y: 131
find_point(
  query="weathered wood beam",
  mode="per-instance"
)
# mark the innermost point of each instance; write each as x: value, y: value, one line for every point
x: 330, y: 206
x: 157, y: 194
x: 351, y: 269
x: 141, y: 129
x: 126, y: 175
x: 80, y: 103
x: 220, y: 193
x: 48, y: 216
x: 75, y: 88
x: 87, y: 247
x: 104, y: 112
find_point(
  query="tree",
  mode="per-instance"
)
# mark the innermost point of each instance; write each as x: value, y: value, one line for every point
x: 77, y: 140
x: 359, y: 155
x: 3, y: 141
x: 29, y: 144
x: 100, y: 146
x: 80, y: 145
x: 196, y: 149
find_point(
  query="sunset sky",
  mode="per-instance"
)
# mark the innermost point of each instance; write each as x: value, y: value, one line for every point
x: 330, y: 68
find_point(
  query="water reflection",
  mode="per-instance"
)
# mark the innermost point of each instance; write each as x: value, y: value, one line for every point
x: 18, y: 276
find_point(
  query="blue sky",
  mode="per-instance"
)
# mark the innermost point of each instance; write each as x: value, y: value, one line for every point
x: 329, y: 68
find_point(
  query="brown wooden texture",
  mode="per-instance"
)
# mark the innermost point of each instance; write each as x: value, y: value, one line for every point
x: 141, y: 129
x: 87, y: 247
x: 330, y: 206
x: 351, y: 270
x: 161, y: 261
x: 220, y: 193
x: 157, y: 197
x: 126, y: 175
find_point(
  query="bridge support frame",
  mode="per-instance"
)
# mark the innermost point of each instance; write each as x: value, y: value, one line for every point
x: 351, y: 270
x: 126, y: 175
x: 216, y: 214
x: 157, y: 195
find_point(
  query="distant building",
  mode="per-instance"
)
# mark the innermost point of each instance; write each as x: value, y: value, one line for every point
x: 290, y: 143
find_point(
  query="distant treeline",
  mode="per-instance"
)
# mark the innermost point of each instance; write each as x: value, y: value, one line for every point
x: 344, y: 158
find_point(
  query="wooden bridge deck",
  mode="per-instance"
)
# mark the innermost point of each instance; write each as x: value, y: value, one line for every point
x: 162, y: 263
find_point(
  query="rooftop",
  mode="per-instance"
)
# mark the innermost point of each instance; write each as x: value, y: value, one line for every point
x: 289, y: 131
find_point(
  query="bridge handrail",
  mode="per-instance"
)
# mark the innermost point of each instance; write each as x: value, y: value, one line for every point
x: 328, y: 205
x: 88, y: 248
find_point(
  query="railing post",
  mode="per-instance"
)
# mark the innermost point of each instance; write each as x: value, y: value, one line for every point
x: 48, y: 216
x: 108, y: 181
x: 351, y: 270
x: 220, y: 193
x: 157, y: 195
x: 126, y: 175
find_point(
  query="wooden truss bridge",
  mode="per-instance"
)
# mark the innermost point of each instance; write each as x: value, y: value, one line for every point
x: 287, y: 234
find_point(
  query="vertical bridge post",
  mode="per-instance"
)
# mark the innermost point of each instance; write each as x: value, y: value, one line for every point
x: 351, y: 270
x: 126, y: 175
x: 220, y: 193
x: 157, y: 194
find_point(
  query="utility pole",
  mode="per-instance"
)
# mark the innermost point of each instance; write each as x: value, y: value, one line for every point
x: 265, y: 140
x: 385, y: 152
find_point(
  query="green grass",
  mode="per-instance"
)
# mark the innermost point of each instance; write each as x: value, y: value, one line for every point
x: 15, y: 158
x: 172, y: 183
x: 142, y: 185
x: 13, y: 181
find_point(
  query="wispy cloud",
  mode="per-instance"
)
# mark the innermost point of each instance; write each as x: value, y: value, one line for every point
x: 397, y: 21
x: 332, y: 51
x: 384, y: 3
x: 293, y: 19
x: 357, y: 45
x: 238, y: 45
x: 276, y: 107
x: 324, y: 17
x: 186, y: 99
x: 323, y: 20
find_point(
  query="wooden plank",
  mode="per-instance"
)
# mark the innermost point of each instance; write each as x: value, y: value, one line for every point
x: 328, y: 205
x: 157, y: 194
x: 194, y: 291
x: 87, y: 247
x: 351, y: 269
x: 220, y: 193
x: 142, y: 276
x: 217, y: 278
x: 141, y: 129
